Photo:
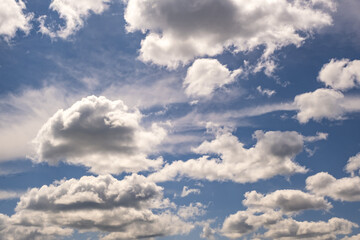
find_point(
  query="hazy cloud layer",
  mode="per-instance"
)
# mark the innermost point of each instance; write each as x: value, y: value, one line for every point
x: 13, y: 18
x: 124, y: 209
x: 343, y: 189
x: 205, y: 75
x: 272, y: 155
x: 74, y: 13
x: 179, y: 31
x: 341, y: 74
x: 100, y: 134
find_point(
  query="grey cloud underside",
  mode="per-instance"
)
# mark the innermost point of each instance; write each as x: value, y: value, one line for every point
x: 132, y: 208
x: 101, y: 134
x: 179, y: 31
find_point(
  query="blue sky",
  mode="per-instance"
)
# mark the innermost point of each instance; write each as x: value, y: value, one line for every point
x: 166, y: 119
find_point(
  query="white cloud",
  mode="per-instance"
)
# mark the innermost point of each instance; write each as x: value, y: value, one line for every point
x: 273, y: 213
x: 179, y: 31
x: 341, y: 74
x: 272, y: 155
x: 22, y: 115
x: 319, y: 136
x: 73, y: 136
x: 343, y: 189
x: 186, y: 191
x: 355, y: 237
x: 353, y: 164
x: 191, y: 211
x: 13, y: 18
x: 289, y: 229
x: 9, y: 194
x: 124, y: 209
x: 322, y: 103
x: 205, y: 75
x: 288, y: 201
x: 265, y: 92
x: 74, y: 13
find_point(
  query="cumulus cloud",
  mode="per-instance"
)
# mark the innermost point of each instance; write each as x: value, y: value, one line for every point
x: 273, y: 213
x: 341, y: 74
x: 288, y: 229
x: 272, y: 155
x: 353, y: 164
x: 205, y: 75
x: 124, y: 209
x: 178, y: 32
x: 13, y: 18
x: 343, y: 189
x: 322, y: 103
x: 287, y: 201
x: 355, y: 237
x: 74, y: 13
x: 100, y: 134
x: 186, y: 191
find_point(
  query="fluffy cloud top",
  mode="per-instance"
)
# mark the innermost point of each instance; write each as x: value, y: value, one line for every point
x: 101, y: 134
x: 205, y: 75
x: 74, y: 13
x: 13, y: 18
x: 124, y: 209
x: 353, y: 164
x: 272, y: 155
x: 179, y: 31
x: 341, y: 74
x: 273, y: 213
x: 344, y: 189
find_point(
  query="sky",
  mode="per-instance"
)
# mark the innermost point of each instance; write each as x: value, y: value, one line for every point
x: 168, y: 119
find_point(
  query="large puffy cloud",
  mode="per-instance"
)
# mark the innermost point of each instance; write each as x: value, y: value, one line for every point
x: 179, y: 31
x: 13, y: 18
x: 353, y: 164
x: 272, y: 212
x: 341, y: 74
x: 74, y: 13
x: 344, y: 189
x: 125, y: 209
x: 272, y: 155
x: 101, y: 134
x: 205, y: 75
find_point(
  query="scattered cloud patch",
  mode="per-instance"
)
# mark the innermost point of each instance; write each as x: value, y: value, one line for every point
x: 178, y: 32
x: 9, y: 195
x: 186, y: 191
x: 13, y: 18
x: 265, y: 92
x: 353, y: 164
x: 72, y: 136
x: 74, y: 13
x: 341, y: 74
x: 205, y: 75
